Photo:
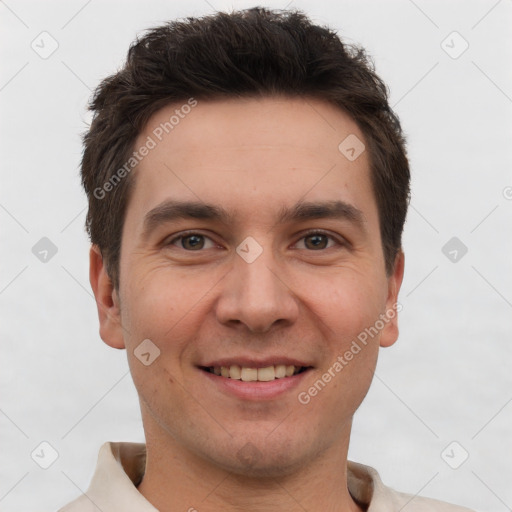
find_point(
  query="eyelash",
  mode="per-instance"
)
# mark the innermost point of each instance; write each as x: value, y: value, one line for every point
x: 186, y: 234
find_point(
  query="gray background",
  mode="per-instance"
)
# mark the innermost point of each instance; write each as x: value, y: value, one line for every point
x: 448, y: 377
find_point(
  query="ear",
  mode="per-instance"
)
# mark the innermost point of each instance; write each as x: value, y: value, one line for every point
x: 389, y: 333
x: 107, y: 300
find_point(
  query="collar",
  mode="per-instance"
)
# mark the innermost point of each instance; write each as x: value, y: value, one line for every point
x: 121, y: 467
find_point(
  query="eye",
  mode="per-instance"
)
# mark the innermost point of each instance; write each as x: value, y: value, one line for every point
x: 191, y: 241
x: 318, y: 240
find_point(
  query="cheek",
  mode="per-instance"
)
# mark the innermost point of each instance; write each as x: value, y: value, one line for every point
x: 348, y: 308
x: 163, y: 300
x: 347, y: 302
x: 161, y: 393
x: 331, y: 399
x: 167, y: 308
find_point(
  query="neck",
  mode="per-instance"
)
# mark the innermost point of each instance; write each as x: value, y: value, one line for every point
x: 176, y: 479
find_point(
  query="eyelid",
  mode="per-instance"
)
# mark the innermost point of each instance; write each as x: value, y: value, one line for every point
x: 183, y: 234
x: 337, y: 238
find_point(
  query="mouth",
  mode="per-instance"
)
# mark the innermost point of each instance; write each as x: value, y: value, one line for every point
x: 252, y: 374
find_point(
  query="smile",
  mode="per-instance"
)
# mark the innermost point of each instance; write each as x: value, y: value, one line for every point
x: 248, y: 374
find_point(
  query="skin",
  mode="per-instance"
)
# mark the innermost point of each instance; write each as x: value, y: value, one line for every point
x: 252, y: 157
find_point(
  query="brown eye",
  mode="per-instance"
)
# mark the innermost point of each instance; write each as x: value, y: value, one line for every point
x: 318, y: 241
x: 191, y: 242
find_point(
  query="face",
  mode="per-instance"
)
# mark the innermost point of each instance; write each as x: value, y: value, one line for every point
x: 251, y: 242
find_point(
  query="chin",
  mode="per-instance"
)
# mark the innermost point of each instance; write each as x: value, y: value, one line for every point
x: 265, y: 467
x: 262, y: 459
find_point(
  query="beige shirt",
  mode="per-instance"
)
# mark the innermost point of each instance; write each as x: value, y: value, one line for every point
x: 121, y: 466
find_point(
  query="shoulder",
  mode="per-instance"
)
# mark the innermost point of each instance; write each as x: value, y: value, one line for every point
x: 412, y: 503
x: 81, y: 504
x: 119, y: 468
x: 366, y: 486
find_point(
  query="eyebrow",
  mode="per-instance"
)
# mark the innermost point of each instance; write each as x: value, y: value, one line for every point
x: 171, y: 210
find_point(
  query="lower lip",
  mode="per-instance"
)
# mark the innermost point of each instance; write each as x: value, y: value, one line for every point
x: 255, y: 390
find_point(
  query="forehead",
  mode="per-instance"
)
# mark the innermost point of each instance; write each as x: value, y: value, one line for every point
x: 300, y: 123
x: 246, y: 152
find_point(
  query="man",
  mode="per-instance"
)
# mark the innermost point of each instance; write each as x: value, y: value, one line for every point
x: 248, y: 185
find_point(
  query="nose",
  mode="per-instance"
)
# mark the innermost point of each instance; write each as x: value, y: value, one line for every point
x: 257, y: 295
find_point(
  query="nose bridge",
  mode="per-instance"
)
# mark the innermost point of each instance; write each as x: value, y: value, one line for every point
x: 260, y: 276
x: 254, y: 294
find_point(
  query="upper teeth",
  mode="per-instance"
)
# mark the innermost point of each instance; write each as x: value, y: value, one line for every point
x: 246, y: 374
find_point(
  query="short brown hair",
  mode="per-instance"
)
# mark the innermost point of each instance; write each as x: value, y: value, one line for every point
x: 254, y: 52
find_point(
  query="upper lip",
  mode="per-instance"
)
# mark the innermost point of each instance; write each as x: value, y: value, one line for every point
x: 252, y: 362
